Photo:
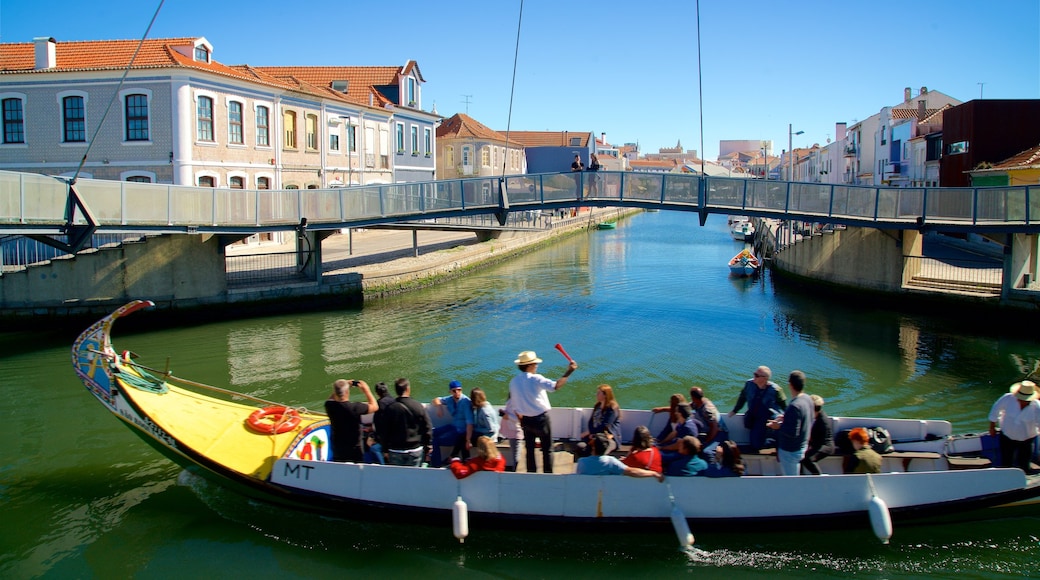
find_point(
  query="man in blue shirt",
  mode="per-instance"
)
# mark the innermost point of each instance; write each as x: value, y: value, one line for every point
x: 459, y: 432
x: 599, y: 463
x: 688, y: 462
x: 794, y: 426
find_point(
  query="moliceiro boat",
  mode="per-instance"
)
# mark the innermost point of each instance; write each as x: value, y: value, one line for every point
x: 280, y: 454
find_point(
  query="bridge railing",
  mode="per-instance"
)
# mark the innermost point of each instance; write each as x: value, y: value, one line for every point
x: 27, y: 198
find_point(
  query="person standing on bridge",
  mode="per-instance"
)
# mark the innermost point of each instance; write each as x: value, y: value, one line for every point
x: 577, y: 165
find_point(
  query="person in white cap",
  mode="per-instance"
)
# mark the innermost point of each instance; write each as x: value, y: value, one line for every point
x: 528, y: 398
x: 1018, y: 415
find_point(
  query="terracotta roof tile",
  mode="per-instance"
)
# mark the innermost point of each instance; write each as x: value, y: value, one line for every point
x: 99, y: 55
x: 462, y: 125
x: 550, y: 138
x: 360, y: 79
x: 1028, y: 159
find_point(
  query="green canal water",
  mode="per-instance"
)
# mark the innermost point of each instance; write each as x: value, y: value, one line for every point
x: 647, y: 308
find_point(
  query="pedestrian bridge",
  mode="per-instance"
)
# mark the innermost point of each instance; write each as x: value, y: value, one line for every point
x: 33, y: 204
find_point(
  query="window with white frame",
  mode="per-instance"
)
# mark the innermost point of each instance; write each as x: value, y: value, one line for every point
x: 204, y: 114
x: 14, y: 120
x: 312, y: 132
x: 467, y: 155
x: 428, y: 141
x: 201, y: 53
x: 485, y: 156
x: 352, y: 138
x: 136, y: 107
x: 263, y: 126
x: 399, y: 137
x: 263, y: 183
x: 74, y: 120
x: 333, y: 141
x: 235, y: 123
x: 236, y: 182
x: 207, y: 181
x: 139, y: 179
x: 415, y: 140
x: 411, y: 92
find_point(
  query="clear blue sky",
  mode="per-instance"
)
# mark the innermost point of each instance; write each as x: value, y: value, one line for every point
x: 625, y: 68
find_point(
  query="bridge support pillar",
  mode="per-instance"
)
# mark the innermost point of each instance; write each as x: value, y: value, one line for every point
x: 913, y: 245
x: 1021, y: 268
x: 485, y: 235
x: 308, y: 252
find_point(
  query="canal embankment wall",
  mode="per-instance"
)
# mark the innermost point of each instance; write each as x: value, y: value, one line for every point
x: 864, y: 258
x: 188, y: 273
x: 875, y: 261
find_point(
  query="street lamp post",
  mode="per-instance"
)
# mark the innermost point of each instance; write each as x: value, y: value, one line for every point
x: 790, y: 152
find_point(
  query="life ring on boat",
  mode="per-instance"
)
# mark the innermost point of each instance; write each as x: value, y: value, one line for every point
x: 273, y: 420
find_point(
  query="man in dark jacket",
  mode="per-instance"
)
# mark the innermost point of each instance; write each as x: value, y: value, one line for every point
x: 345, y: 419
x: 765, y: 399
x: 404, y: 428
x: 821, y: 438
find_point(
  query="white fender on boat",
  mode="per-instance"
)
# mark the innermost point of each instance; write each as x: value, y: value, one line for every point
x: 682, y: 528
x: 880, y: 519
x: 460, y: 519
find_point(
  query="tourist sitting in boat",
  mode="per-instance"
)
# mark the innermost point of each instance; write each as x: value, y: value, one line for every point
x: 724, y: 461
x: 765, y: 399
x: 687, y: 461
x: 674, y: 418
x: 687, y: 425
x: 599, y: 463
x: 458, y: 433
x: 488, y: 459
x: 485, y: 417
x: 863, y: 459
x: 605, y: 418
x: 405, y: 428
x: 706, y: 416
x: 642, y: 453
x: 345, y: 420
x: 821, y: 438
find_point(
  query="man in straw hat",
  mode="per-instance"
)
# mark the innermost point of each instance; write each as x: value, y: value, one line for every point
x: 528, y: 398
x: 1018, y: 414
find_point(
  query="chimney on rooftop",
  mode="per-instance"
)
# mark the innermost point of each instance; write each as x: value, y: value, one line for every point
x: 924, y: 90
x: 45, y: 52
x: 922, y: 109
x: 603, y: 138
x: 907, y: 94
x: 839, y: 131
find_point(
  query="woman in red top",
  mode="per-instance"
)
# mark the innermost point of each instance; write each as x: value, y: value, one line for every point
x: 643, y: 454
x: 488, y: 459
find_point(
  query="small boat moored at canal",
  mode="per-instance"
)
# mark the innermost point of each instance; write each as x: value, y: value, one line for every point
x: 607, y: 225
x: 744, y: 264
x: 743, y: 231
x: 282, y: 456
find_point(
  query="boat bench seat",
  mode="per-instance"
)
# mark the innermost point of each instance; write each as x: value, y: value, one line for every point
x: 765, y: 463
